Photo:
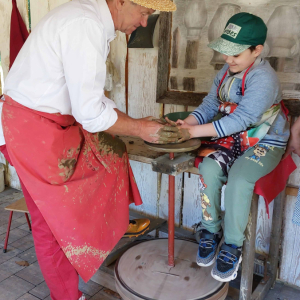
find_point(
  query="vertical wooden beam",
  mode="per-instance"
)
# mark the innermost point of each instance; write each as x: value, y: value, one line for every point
x: 173, y: 83
x: 189, y: 84
x: 263, y: 288
x: 126, y: 77
x: 38, y: 9
x: 175, y: 48
x: 165, y: 20
x: 276, y: 234
x: 191, y: 54
x: 249, y: 253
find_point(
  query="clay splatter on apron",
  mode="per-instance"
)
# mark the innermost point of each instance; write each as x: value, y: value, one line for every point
x: 108, y: 144
x: 76, y: 252
x: 68, y: 164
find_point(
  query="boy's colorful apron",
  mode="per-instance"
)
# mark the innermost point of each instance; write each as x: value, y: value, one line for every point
x: 81, y: 182
x: 227, y: 149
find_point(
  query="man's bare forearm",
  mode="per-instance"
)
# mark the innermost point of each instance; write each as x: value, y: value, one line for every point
x: 149, y: 129
x: 125, y: 125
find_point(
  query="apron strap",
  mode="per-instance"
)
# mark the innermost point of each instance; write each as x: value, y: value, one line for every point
x: 221, y: 81
x: 243, y: 80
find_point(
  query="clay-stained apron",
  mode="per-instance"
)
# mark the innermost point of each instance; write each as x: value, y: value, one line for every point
x: 81, y: 182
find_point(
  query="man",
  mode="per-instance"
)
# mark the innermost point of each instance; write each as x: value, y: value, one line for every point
x: 57, y: 125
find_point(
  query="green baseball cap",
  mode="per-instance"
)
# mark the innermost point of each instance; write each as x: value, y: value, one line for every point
x: 242, y: 31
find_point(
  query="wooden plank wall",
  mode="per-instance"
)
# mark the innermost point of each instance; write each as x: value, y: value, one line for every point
x: 142, y: 71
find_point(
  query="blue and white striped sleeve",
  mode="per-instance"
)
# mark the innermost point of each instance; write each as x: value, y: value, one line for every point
x: 198, y: 117
x: 218, y: 127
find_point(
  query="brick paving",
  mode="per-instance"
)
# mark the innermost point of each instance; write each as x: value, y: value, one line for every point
x: 27, y: 283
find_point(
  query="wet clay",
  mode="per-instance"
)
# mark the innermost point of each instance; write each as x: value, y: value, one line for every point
x: 173, y: 135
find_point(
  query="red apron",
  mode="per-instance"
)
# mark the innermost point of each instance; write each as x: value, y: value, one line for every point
x: 81, y: 182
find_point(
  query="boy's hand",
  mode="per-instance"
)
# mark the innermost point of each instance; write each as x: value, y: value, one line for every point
x: 153, y: 131
x: 181, y: 128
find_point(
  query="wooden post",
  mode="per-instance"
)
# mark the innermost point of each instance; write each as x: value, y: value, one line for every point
x: 175, y: 48
x: 263, y: 288
x: 276, y: 234
x: 171, y: 219
x: 249, y: 253
x: 165, y: 19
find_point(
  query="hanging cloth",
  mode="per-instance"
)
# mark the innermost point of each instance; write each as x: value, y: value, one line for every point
x: 18, y: 33
x: 81, y: 182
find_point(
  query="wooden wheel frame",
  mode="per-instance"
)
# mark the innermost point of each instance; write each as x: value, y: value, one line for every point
x: 142, y: 272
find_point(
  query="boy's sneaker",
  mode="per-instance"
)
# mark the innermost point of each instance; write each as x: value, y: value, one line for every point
x: 228, y: 261
x: 208, y: 246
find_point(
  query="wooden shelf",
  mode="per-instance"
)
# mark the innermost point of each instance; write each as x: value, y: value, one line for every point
x: 195, y: 99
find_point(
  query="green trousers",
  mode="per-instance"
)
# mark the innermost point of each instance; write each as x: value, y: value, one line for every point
x: 246, y: 170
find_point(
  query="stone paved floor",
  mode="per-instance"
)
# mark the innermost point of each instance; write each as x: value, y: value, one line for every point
x: 27, y: 283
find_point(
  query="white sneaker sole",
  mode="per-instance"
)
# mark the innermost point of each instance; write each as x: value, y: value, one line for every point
x: 207, y: 265
x: 215, y: 258
x: 232, y: 277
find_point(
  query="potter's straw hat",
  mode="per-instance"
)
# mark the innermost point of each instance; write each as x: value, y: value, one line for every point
x: 161, y: 5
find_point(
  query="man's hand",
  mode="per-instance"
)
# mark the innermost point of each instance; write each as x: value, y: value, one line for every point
x: 293, y: 144
x: 294, y: 141
x: 150, y: 129
x: 153, y: 131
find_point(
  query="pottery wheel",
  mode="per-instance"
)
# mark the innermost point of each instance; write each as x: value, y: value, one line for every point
x: 186, y: 146
x: 142, y: 272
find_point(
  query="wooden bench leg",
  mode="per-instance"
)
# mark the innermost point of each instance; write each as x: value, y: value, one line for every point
x: 264, y: 286
x: 27, y: 218
x: 7, y: 233
x: 276, y: 234
x: 249, y: 253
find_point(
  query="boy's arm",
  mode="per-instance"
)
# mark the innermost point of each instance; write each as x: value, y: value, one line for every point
x: 263, y: 89
x: 188, y: 130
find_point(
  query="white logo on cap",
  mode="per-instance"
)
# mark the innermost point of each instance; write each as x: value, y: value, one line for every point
x: 232, y: 30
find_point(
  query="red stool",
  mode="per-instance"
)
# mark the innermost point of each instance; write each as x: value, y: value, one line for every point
x: 19, y: 206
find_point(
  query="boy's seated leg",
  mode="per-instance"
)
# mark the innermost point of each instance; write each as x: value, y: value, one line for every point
x: 251, y: 166
x: 211, y: 181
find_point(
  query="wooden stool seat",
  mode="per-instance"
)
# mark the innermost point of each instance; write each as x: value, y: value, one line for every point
x: 18, y: 206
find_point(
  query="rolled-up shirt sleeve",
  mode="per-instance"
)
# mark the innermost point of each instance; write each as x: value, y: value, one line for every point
x: 84, y: 50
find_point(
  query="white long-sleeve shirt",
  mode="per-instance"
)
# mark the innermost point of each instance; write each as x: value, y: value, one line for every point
x: 61, y: 67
